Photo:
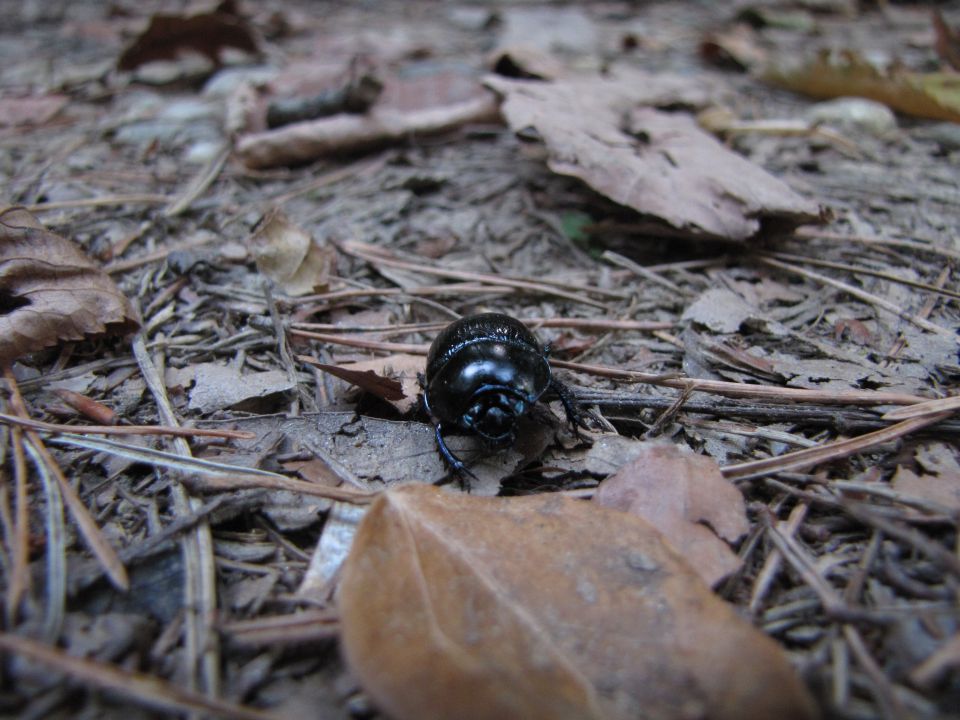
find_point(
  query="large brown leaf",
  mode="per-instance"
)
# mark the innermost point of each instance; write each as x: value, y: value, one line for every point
x: 608, y: 134
x: 455, y: 606
x: 50, y: 291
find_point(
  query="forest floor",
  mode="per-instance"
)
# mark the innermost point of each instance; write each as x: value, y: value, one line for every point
x: 778, y: 320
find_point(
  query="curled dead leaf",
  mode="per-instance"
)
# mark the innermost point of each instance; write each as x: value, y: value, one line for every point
x: 288, y: 255
x: 392, y: 378
x: 454, y: 606
x: 51, y: 292
x: 207, y: 33
x: 607, y: 133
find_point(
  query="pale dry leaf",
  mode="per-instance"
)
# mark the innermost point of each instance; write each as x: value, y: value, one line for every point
x: 50, y: 292
x: 205, y: 33
x: 661, y: 164
x: 720, y: 310
x: 454, y: 606
x: 942, y: 489
x: 220, y: 386
x: 289, y: 256
x: 392, y: 378
x: 686, y: 498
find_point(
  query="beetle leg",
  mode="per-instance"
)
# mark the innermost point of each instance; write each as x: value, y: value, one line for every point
x: 576, y: 416
x: 455, y: 463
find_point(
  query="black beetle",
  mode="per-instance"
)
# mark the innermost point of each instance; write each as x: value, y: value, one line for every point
x: 483, y: 373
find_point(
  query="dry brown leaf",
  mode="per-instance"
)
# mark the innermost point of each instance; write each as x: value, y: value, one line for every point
x: 20, y: 111
x: 208, y: 33
x: 941, y: 489
x: 736, y: 48
x: 845, y: 73
x: 392, y: 378
x: 947, y: 40
x: 454, y: 606
x: 658, y: 163
x: 686, y: 498
x: 288, y: 255
x: 51, y: 292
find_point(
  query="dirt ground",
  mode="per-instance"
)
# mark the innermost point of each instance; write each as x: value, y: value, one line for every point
x: 850, y: 562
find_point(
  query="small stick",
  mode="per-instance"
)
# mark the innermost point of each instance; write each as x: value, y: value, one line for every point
x: 125, y: 429
x: 866, y: 297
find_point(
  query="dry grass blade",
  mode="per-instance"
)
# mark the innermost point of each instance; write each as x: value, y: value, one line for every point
x: 857, y: 270
x: 55, y: 587
x: 376, y: 257
x: 808, y: 457
x: 124, y: 429
x: 18, y: 536
x: 142, y: 689
x: 200, y: 183
x: 923, y: 247
x: 297, y: 629
x: 932, y: 407
x: 746, y: 390
x: 88, y: 527
x: 81, y: 516
x: 202, y: 657
x: 866, y: 297
x: 220, y: 475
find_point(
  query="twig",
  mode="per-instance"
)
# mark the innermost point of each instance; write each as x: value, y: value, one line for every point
x: 866, y: 297
x: 771, y: 566
x: 210, y: 475
x: 808, y: 457
x: 103, y: 200
x: 142, y: 689
x: 890, y: 705
x: 375, y: 257
x: 858, y: 270
x: 19, y: 537
x: 200, y: 587
x: 745, y: 390
x: 812, y: 232
x: 55, y: 588
x: 85, y: 523
x: 931, y: 407
x: 646, y: 273
x: 199, y: 184
x: 42, y: 426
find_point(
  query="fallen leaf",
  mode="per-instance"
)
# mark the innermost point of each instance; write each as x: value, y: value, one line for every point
x: 844, y: 73
x: 660, y: 164
x: 33, y: 111
x: 288, y: 255
x: 685, y: 497
x: 735, y: 48
x: 947, y: 40
x: 208, y: 34
x: 720, y: 310
x: 219, y: 386
x: 51, y: 292
x: 392, y: 378
x: 454, y: 606
x: 943, y: 490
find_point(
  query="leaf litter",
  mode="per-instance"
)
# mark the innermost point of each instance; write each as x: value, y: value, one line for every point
x: 425, y: 207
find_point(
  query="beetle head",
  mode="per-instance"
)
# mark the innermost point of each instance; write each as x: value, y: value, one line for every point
x: 493, y: 416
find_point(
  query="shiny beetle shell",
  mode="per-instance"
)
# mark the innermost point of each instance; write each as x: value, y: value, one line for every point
x: 484, y: 359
